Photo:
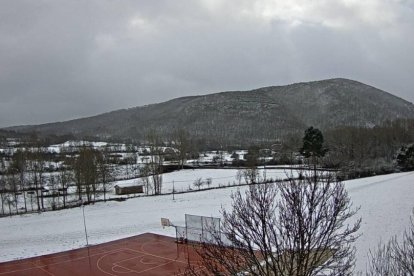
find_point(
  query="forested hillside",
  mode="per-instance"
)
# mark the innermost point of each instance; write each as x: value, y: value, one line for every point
x: 244, y: 117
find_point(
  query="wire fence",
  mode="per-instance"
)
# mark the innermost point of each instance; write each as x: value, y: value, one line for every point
x: 198, y: 229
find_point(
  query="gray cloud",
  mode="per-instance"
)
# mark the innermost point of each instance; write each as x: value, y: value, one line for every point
x: 67, y: 59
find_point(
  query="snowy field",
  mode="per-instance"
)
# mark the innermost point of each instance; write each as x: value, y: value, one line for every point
x: 386, y: 203
x: 183, y: 180
x: 179, y: 181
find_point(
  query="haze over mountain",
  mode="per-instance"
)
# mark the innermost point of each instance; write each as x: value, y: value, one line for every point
x: 256, y: 115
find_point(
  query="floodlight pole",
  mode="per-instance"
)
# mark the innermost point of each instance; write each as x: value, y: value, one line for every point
x: 84, y: 223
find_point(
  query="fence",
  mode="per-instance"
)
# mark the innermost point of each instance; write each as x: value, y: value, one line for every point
x: 198, y: 229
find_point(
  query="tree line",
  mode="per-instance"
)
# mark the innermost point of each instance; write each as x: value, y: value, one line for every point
x: 26, y: 175
x: 359, y: 151
x: 27, y: 181
x: 32, y: 178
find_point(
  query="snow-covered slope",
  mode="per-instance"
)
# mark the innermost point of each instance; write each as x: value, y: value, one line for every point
x: 386, y: 203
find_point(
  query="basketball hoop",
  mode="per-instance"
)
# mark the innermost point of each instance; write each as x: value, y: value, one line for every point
x: 166, y: 222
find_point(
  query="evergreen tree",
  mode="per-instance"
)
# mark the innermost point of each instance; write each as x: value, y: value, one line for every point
x: 405, y: 158
x: 313, y: 144
x: 313, y: 148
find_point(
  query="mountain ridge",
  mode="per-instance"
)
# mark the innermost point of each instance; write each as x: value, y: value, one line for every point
x: 258, y: 114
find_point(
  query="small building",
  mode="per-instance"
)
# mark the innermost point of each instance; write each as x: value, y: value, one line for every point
x: 136, y: 189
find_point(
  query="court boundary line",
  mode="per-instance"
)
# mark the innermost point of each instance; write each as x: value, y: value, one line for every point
x: 140, y: 254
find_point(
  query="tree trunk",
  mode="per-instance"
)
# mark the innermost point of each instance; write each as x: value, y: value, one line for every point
x: 24, y: 198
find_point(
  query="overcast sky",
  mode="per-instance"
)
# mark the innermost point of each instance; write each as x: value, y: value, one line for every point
x: 61, y: 60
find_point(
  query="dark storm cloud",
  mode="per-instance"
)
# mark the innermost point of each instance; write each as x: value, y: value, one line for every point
x: 66, y: 59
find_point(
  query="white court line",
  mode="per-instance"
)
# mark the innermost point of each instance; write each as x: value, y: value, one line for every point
x: 117, y: 264
x: 58, y: 263
x: 123, y: 272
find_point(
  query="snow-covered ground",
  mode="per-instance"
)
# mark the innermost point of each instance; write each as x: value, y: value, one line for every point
x: 179, y: 181
x: 183, y: 180
x: 386, y: 203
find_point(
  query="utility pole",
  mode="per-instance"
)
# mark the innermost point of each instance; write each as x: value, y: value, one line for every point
x: 86, y: 235
x: 173, y: 192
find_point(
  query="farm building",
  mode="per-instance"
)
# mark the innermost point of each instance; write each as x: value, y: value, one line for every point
x: 136, y: 189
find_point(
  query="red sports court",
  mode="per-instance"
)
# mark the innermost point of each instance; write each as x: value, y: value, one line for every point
x: 146, y: 254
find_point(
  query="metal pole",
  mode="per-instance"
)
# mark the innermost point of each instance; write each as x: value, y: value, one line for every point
x: 84, y: 224
x: 173, y: 191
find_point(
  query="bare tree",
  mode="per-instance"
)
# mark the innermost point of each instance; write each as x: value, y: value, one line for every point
x: 18, y: 167
x: 251, y: 175
x: 37, y: 169
x: 209, y: 181
x: 381, y: 261
x: 239, y: 175
x: 404, y: 251
x: 198, y: 183
x: 65, y: 178
x: 105, y: 171
x: 144, y: 173
x: 3, y: 193
x: 183, y: 144
x: 13, y: 183
x: 395, y: 258
x: 86, y: 172
x: 9, y: 199
x: 156, y: 160
x: 53, y: 185
x: 293, y: 228
x: 130, y: 160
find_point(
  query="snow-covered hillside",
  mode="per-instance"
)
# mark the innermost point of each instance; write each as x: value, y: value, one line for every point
x: 386, y: 203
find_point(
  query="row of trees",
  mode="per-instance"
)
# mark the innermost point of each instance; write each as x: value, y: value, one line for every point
x: 358, y: 151
x: 84, y: 173
x: 368, y: 149
x: 24, y: 176
x: 93, y: 173
x: 27, y: 182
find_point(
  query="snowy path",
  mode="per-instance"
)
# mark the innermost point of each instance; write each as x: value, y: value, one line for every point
x: 386, y: 203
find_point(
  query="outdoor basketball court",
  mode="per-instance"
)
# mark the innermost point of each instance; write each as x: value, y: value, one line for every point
x: 146, y: 254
